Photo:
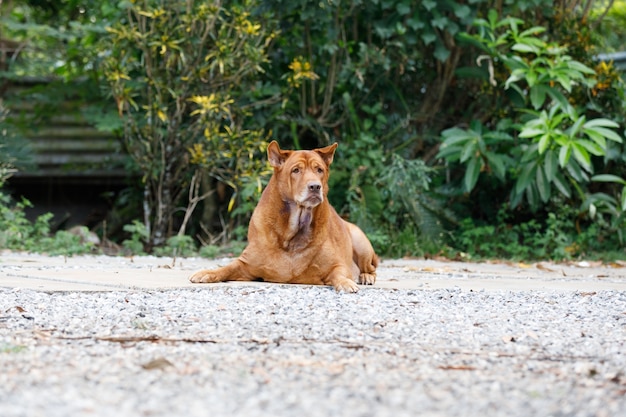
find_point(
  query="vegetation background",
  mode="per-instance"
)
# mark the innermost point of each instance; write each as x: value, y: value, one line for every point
x: 467, y: 129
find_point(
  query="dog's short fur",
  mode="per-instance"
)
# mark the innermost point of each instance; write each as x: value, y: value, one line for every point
x: 295, y: 235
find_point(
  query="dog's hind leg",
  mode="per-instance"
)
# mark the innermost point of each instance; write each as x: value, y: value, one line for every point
x: 363, y: 255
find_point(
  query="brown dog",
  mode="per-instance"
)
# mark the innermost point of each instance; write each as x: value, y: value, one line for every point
x: 295, y: 236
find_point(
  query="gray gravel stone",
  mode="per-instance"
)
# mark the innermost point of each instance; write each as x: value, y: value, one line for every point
x: 307, y: 351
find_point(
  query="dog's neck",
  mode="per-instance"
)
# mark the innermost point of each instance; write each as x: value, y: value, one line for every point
x: 300, y: 222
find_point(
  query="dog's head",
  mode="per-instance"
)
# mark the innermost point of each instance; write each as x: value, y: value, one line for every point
x: 302, y: 175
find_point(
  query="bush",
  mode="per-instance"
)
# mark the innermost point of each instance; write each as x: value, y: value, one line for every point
x: 18, y: 233
x: 178, y: 75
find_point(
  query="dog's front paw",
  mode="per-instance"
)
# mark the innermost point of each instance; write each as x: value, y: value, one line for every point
x: 367, y: 279
x: 346, y: 285
x: 204, y: 276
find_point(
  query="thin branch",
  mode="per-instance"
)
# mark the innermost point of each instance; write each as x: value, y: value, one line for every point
x: 194, y: 199
x: 602, y: 16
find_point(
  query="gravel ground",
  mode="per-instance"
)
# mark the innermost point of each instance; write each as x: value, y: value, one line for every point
x: 275, y: 350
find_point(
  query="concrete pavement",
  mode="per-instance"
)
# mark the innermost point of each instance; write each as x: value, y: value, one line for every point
x: 105, y: 273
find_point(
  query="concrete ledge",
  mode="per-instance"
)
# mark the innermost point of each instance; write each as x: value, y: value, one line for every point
x: 104, y: 273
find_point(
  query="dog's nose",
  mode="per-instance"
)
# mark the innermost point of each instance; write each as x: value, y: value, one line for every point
x: 314, y: 186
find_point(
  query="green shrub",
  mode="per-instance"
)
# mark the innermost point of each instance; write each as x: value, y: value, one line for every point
x: 180, y: 73
x: 177, y: 246
x: 138, y: 237
x: 18, y: 233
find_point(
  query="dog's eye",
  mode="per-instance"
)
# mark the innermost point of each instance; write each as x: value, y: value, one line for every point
x: 295, y: 170
x: 320, y: 170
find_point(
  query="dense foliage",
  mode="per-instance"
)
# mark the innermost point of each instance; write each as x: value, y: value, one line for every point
x: 482, y: 128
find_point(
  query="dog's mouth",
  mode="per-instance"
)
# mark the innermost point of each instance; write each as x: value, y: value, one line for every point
x: 312, y: 200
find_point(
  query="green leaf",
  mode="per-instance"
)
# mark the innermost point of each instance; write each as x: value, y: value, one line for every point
x: 455, y: 135
x: 608, y: 178
x: 573, y: 130
x: 576, y: 172
x: 561, y: 184
x: 526, y: 176
x: 607, y: 133
x: 530, y: 154
x: 535, y: 30
x: 544, y: 142
x: 531, y: 78
x: 531, y: 196
x: 403, y: 9
x: 439, y: 22
x: 591, y: 147
x: 415, y: 24
x: 498, y: 136
x: 471, y: 174
x: 441, y: 52
x: 522, y: 47
x: 575, y: 65
x: 514, y: 77
x: 497, y: 164
x: 530, y: 132
x: 428, y: 38
x: 449, y: 153
x: 624, y: 199
x: 559, y: 98
x: 461, y: 11
x: 564, y: 155
x: 550, y: 164
x: 468, y: 151
x: 601, y: 122
x: 543, y: 185
x: 538, y: 95
x: 582, y: 156
x: 596, y: 137
x: 515, y: 198
x: 429, y: 4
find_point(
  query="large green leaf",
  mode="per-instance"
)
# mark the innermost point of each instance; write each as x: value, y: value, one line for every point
x: 608, y: 178
x: 597, y: 137
x: 575, y: 128
x: 607, y: 133
x: 497, y: 164
x: 538, y: 95
x: 543, y: 185
x: 531, y: 132
x: 469, y: 151
x: 561, y: 184
x: 527, y: 175
x: 441, y: 52
x: 591, y: 147
x: 461, y: 11
x: 454, y: 135
x: 580, y: 67
x: 582, y: 156
x: 550, y: 164
x: 544, y: 142
x: 523, y: 47
x: 601, y: 123
x: 564, y: 155
x: 471, y: 174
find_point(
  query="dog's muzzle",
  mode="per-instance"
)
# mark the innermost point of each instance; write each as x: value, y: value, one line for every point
x: 312, y: 196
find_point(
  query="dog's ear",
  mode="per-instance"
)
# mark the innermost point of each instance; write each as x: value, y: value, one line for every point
x: 275, y: 155
x: 327, y: 153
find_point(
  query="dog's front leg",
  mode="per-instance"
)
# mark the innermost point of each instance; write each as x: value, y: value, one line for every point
x: 235, y: 271
x: 340, y: 279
